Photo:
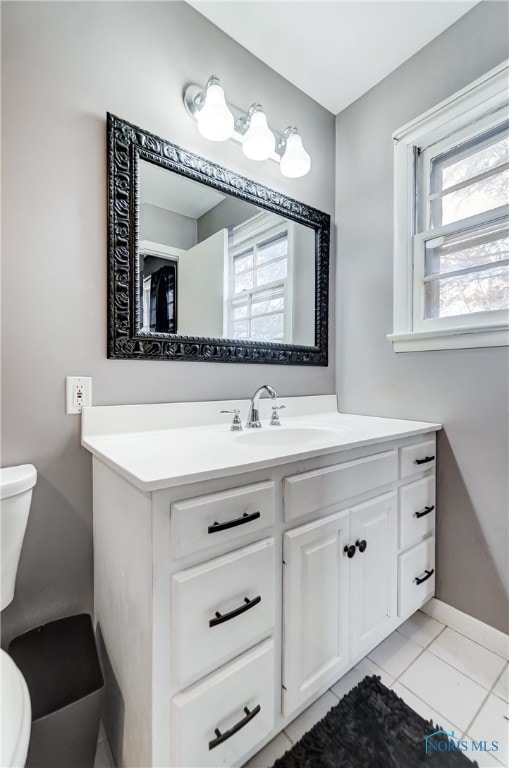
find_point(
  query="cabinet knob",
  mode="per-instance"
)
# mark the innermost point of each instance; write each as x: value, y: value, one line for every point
x: 361, y: 545
x: 349, y: 551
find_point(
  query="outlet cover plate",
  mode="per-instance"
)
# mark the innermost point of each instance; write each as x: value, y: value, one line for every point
x: 78, y: 393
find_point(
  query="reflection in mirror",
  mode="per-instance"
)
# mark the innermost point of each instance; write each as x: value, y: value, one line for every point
x: 214, y: 265
x: 207, y: 265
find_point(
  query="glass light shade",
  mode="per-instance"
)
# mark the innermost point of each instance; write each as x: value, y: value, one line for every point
x: 259, y: 142
x: 295, y: 161
x: 215, y: 121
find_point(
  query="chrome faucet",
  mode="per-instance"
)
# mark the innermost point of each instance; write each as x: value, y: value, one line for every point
x: 253, y: 415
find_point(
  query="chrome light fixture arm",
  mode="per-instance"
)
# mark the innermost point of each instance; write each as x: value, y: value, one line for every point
x: 293, y: 164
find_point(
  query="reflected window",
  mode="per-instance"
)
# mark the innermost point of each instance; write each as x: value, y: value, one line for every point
x: 259, y: 255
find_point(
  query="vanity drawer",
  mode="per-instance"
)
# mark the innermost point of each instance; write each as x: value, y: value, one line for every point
x: 312, y: 491
x: 416, y: 510
x: 220, y: 518
x: 416, y: 576
x: 237, y: 703
x: 417, y: 458
x: 240, y: 588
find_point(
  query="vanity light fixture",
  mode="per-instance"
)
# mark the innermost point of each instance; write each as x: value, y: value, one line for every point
x: 258, y: 142
x: 295, y: 161
x: 217, y: 120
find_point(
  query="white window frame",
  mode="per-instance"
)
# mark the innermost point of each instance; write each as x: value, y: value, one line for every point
x: 486, y: 100
x: 255, y: 231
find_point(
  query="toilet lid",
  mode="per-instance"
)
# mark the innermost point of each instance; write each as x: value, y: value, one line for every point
x: 14, y: 480
x: 15, y: 714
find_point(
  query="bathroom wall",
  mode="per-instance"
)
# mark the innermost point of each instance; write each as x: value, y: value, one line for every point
x: 64, y: 65
x: 465, y: 390
x: 230, y: 212
x: 167, y: 227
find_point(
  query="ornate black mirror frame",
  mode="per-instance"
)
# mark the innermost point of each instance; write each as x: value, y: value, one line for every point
x: 127, y: 145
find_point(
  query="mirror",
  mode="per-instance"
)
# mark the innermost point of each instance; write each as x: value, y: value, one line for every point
x: 207, y: 265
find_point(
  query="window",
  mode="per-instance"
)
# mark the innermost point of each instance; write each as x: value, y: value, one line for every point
x: 452, y: 222
x: 259, y: 284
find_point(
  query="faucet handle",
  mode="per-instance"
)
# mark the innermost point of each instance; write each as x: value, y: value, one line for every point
x: 236, y: 425
x: 274, y: 419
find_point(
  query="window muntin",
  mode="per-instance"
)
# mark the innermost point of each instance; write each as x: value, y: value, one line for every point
x: 259, y: 315
x: 468, y: 272
x: 273, y: 250
x: 478, y: 157
x: 468, y: 293
x: 458, y: 144
x: 268, y: 302
x: 471, y: 178
x: 262, y: 264
x: 468, y: 249
x: 258, y: 297
x: 463, y: 272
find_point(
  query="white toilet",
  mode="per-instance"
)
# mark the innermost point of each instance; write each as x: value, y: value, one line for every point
x: 16, y: 485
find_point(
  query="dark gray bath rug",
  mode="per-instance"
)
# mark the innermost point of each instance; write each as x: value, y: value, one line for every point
x: 372, y: 727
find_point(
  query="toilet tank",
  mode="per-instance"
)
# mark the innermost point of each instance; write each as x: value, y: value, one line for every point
x: 16, y: 485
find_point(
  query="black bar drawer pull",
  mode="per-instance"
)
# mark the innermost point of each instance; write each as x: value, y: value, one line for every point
x: 220, y: 737
x: 247, y: 604
x: 233, y: 523
x: 425, y: 511
x: 428, y: 575
x: 425, y: 460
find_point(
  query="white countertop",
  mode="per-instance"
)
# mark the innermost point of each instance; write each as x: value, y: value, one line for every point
x: 169, y: 444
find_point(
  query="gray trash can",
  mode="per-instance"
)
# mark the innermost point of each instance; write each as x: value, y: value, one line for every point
x: 60, y: 664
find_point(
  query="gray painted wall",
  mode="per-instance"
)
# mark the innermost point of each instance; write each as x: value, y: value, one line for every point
x: 167, y: 227
x: 230, y: 212
x: 64, y: 65
x: 465, y: 390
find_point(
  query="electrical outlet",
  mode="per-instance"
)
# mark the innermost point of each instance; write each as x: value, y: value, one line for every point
x: 78, y: 393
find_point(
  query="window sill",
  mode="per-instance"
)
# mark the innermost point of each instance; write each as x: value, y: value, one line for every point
x: 452, y: 338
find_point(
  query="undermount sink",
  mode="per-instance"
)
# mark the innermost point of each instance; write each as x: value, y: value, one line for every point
x: 285, y: 435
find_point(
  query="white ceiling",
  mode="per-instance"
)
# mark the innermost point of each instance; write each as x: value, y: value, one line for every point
x: 333, y: 50
x: 176, y: 193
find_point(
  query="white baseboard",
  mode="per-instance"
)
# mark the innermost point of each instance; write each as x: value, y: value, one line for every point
x: 489, y: 637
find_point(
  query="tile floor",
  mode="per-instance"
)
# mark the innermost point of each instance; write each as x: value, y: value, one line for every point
x: 441, y: 674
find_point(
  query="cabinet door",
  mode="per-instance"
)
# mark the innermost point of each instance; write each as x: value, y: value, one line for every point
x: 315, y: 607
x: 373, y: 572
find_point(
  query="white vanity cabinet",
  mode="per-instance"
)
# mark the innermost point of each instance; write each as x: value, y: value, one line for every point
x: 416, y: 528
x: 222, y: 619
x: 347, y: 582
x: 339, y: 596
x: 220, y: 608
x: 227, y: 604
x: 219, y: 720
x: 372, y: 573
x: 316, y: 587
